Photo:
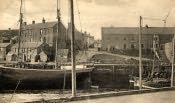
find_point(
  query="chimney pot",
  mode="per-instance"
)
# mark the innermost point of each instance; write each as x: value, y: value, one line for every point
x: 43, y: 21
x: 25, y: 23
x: 33, y: 22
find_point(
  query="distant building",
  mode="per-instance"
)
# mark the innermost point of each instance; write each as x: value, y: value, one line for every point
x: 40, y: 39
x: 127, y: 38
x: 30, y: 51
x: 37, y: 32
x: 89, y: 40
x: 4, y: 49
x: 6, y: 35
x: 97, y: 44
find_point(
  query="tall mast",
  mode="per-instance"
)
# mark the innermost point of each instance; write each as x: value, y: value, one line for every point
x: 172, y: 71
x: 20, y: 30
x: 58, y: 27
x: 73, y: 49
x: 140, y: 53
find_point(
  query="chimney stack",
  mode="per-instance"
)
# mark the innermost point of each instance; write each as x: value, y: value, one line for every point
x: 43, y: 21
x: 25, y: 23
x: 33, y: 22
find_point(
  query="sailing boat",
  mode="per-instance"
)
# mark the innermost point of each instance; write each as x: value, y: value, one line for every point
x: 32, y: 78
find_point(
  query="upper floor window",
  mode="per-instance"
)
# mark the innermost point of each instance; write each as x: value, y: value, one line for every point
x: 132, y: 46
x: 124, y: 46
x: 41, y: 31
x: 30, y: 32
x: 142, y: 45
x: 132, y: 38
x: 124, y: 38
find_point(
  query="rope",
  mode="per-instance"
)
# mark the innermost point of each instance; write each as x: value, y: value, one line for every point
x: 64, y: 82
x: 79, y: 15
x: 14, y: 91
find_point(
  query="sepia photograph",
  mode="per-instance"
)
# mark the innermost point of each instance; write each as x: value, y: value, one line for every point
x: 87, y: 51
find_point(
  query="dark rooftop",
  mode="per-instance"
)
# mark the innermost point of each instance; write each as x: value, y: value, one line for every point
x: 135, y: 30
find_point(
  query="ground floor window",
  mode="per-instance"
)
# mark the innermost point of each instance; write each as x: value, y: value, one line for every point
x: 124, y: 46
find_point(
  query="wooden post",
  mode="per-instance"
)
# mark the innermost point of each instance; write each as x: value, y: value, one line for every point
x: 153, y: 65
x: 56, y: 37
x: 172, y: 71
x: 73, y: 50
x: 113, y: 73
x: 20, y: 32
x: 140, y: 54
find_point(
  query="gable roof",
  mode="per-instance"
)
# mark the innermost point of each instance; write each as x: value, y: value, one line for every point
x: 28, y: 45
x: 3, y: 45
x: 8, y: 33
x: 135, y: 30
x: 40, y: 25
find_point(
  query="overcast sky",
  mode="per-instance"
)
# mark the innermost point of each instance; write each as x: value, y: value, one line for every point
x: 94, y: 14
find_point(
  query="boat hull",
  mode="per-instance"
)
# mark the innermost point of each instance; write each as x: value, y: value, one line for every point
x: 41, y: 78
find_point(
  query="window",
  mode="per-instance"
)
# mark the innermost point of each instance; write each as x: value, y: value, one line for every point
x: 133, y: 38
x: 124, y: 38
x: 30, y: 32
x: 45, y: 31
x: 132, y: 46
x: 41, y: 31
x: 40, y: 38
x: 30, y: 39
x: 157, y: 45
x: 142, y: 45
x: 124, y: 46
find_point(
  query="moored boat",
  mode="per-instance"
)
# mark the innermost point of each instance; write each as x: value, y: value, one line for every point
x: 41, y: 78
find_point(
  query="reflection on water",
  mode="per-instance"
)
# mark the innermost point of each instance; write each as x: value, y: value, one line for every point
x: 160, y: 97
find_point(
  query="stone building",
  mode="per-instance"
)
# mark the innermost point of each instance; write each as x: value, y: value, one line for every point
x: 33, y: 51
x: 6, y: 35
x: 44, y: 35
x: 4, y: 49
x: 127, y: 38
x: 37, y: 32
x: 89, y: 40
x: 82, y: 39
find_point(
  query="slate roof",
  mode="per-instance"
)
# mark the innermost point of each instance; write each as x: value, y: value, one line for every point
x: 40, y: 25
x: 8, y: 33
x: 3, y: 45
x: 28, y: 45
x: 135, y: 30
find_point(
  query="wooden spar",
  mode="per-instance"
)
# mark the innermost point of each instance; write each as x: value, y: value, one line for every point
x: 56, y: 42
x: 20, y: 30
x: 140, y: 54
x: 172, y: 71
x: 73, y: 49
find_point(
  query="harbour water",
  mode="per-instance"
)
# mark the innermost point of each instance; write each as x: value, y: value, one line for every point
x: 159, y: 97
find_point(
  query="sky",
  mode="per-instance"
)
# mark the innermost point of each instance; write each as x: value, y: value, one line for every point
x: 94, y: 14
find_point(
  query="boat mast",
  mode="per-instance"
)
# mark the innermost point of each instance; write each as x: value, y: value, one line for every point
x: 58, y: 24
x: 140, y: 53
x: 20, y: 31
x: 73, y: 49
x: 172, y: 70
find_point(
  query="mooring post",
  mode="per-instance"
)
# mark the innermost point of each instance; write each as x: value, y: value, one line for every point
x: 73, y: 49
x: 140, y: 54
